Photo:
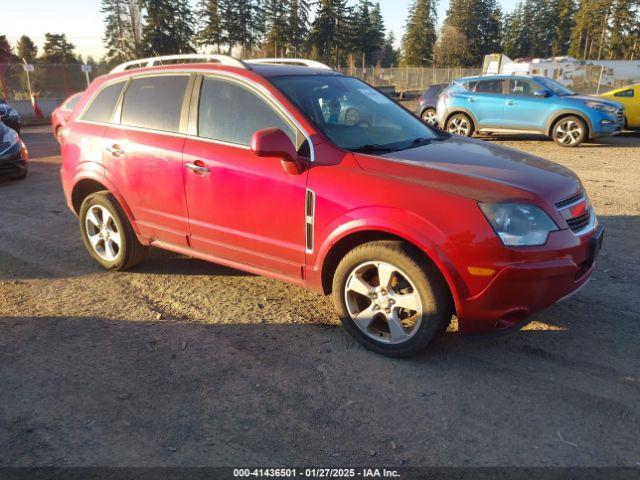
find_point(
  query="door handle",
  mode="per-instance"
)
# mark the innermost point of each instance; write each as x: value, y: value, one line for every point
x: 115, y: 151
x: 469, y: 99
x: 511, y: 102
x: 199, y: 169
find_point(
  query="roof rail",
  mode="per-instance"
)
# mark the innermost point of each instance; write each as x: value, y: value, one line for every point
x: 150, y: 62
x: 290, y: 61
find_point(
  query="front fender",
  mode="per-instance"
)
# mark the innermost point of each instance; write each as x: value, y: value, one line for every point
x: 400, y: 223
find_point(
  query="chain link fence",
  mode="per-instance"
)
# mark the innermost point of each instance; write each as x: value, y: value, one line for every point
x: 409, y: 79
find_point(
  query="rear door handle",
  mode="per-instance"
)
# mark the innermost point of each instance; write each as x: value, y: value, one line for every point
x: 115, y: 151
x: 511, y: 102
x: 199, y: 169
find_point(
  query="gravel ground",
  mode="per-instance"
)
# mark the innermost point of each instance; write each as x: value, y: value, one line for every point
x: 180, y: 362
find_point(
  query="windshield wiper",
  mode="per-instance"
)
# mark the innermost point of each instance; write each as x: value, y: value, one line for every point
x: 373, y: 147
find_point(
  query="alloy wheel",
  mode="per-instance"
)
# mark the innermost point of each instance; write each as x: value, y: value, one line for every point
x: 459, y: 125
x: 568, y: 132
x: 383, y: 302
x: 103, y: 233
x: 429, y: 116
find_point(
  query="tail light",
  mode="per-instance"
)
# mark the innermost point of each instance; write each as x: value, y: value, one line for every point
x: 23, y: 151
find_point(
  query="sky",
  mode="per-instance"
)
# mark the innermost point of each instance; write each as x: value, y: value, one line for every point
x: 81, y: 20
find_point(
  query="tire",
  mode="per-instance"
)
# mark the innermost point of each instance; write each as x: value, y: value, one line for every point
x: 413, y: 282
x: 101, y: 243
x: 569, y: 131
x: 428, y: 116
x: 460, y: 124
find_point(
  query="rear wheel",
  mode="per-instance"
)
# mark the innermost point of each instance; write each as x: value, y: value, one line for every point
x: 107, y: 234
x: 460, y: 124
x: 429, y: 116
x: 569, y: 131
x: 389, y: 299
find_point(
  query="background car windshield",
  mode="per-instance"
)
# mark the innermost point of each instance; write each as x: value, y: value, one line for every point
x: 553, y: 86
x: 352, y: 114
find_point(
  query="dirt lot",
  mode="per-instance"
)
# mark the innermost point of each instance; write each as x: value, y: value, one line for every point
x: 180, y: 362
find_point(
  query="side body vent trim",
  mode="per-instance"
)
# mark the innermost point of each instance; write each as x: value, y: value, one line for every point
x: 309, y: 212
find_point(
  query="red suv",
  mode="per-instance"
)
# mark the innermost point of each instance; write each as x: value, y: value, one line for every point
x: 257, y: 166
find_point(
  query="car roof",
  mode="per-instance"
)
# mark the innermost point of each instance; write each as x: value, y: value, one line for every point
x: 263, y: 70
x: 495, y: 77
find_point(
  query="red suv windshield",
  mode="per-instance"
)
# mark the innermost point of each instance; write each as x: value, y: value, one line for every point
x: 352, y: 114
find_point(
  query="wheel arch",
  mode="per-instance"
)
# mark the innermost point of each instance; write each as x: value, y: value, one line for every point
x: 568, y: 113
x: 466, y: 111
x: 349, y: 240
x: 87, y: 185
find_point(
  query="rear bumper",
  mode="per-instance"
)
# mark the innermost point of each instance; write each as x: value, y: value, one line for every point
x: 521, y: 289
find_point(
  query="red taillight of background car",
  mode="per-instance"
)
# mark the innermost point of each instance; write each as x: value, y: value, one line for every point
x: 23, y: 151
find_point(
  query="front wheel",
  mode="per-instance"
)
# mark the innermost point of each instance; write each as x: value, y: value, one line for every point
x: 569, y: 131
x: 107, y: 234
x: 460, y: 124
x: 391, y: 300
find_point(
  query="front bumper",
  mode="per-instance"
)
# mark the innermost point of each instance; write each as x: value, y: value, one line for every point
x: 606, y: 124
x: 521, y: 289
x: 12, y: 163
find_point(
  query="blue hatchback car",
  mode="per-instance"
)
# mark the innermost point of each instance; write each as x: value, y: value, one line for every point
x: 523, y: 103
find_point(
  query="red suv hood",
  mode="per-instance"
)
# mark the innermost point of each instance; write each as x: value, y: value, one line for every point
x: 486, y: 171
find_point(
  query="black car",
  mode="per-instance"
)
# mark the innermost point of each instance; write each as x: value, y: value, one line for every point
x: 428, y: 101
x: 9, y: 116
x: 13, y: 154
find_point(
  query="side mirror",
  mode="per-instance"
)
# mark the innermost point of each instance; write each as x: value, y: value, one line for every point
x: 541, y: 93
x: 273, y: 142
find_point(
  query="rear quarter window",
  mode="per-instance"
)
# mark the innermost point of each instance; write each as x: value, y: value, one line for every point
x: 625, y: 93
x: 155, y: 102
x: 102, y: 106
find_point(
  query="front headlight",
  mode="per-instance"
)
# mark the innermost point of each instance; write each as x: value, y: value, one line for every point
x: 10, y: 137
x: 518, y: 224
x: 601, y: 106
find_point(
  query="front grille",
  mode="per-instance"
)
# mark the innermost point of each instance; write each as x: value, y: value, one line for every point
x: 569, y: 200
x: 578, y: 223
x: 9, y: 169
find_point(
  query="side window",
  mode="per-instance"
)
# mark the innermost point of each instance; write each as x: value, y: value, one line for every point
x: 624, y: 93
x: 489, y: 86
x: 230, y: 113
x: 155, y: 102
x: 102, y: 106
x: 522, y: 87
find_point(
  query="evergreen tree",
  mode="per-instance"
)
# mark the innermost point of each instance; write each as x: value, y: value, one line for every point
x: 6, y: 52
x: 389, y: 54
x: 452, y: 48
x: 57, y: 49
x: 277, y: 27
x: 479, y: 22
x: 420, y: 34
x: 169, y: 27
x: 589, y: 34
x: 564, y: 12
x: 244, y: 22
x: 330, y: 31
x: 27, y: 50
x: 362, y: 29
x: 624, y: 29
x: 122, y: 35
x: 210, y: 29
x: 298, y: 26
